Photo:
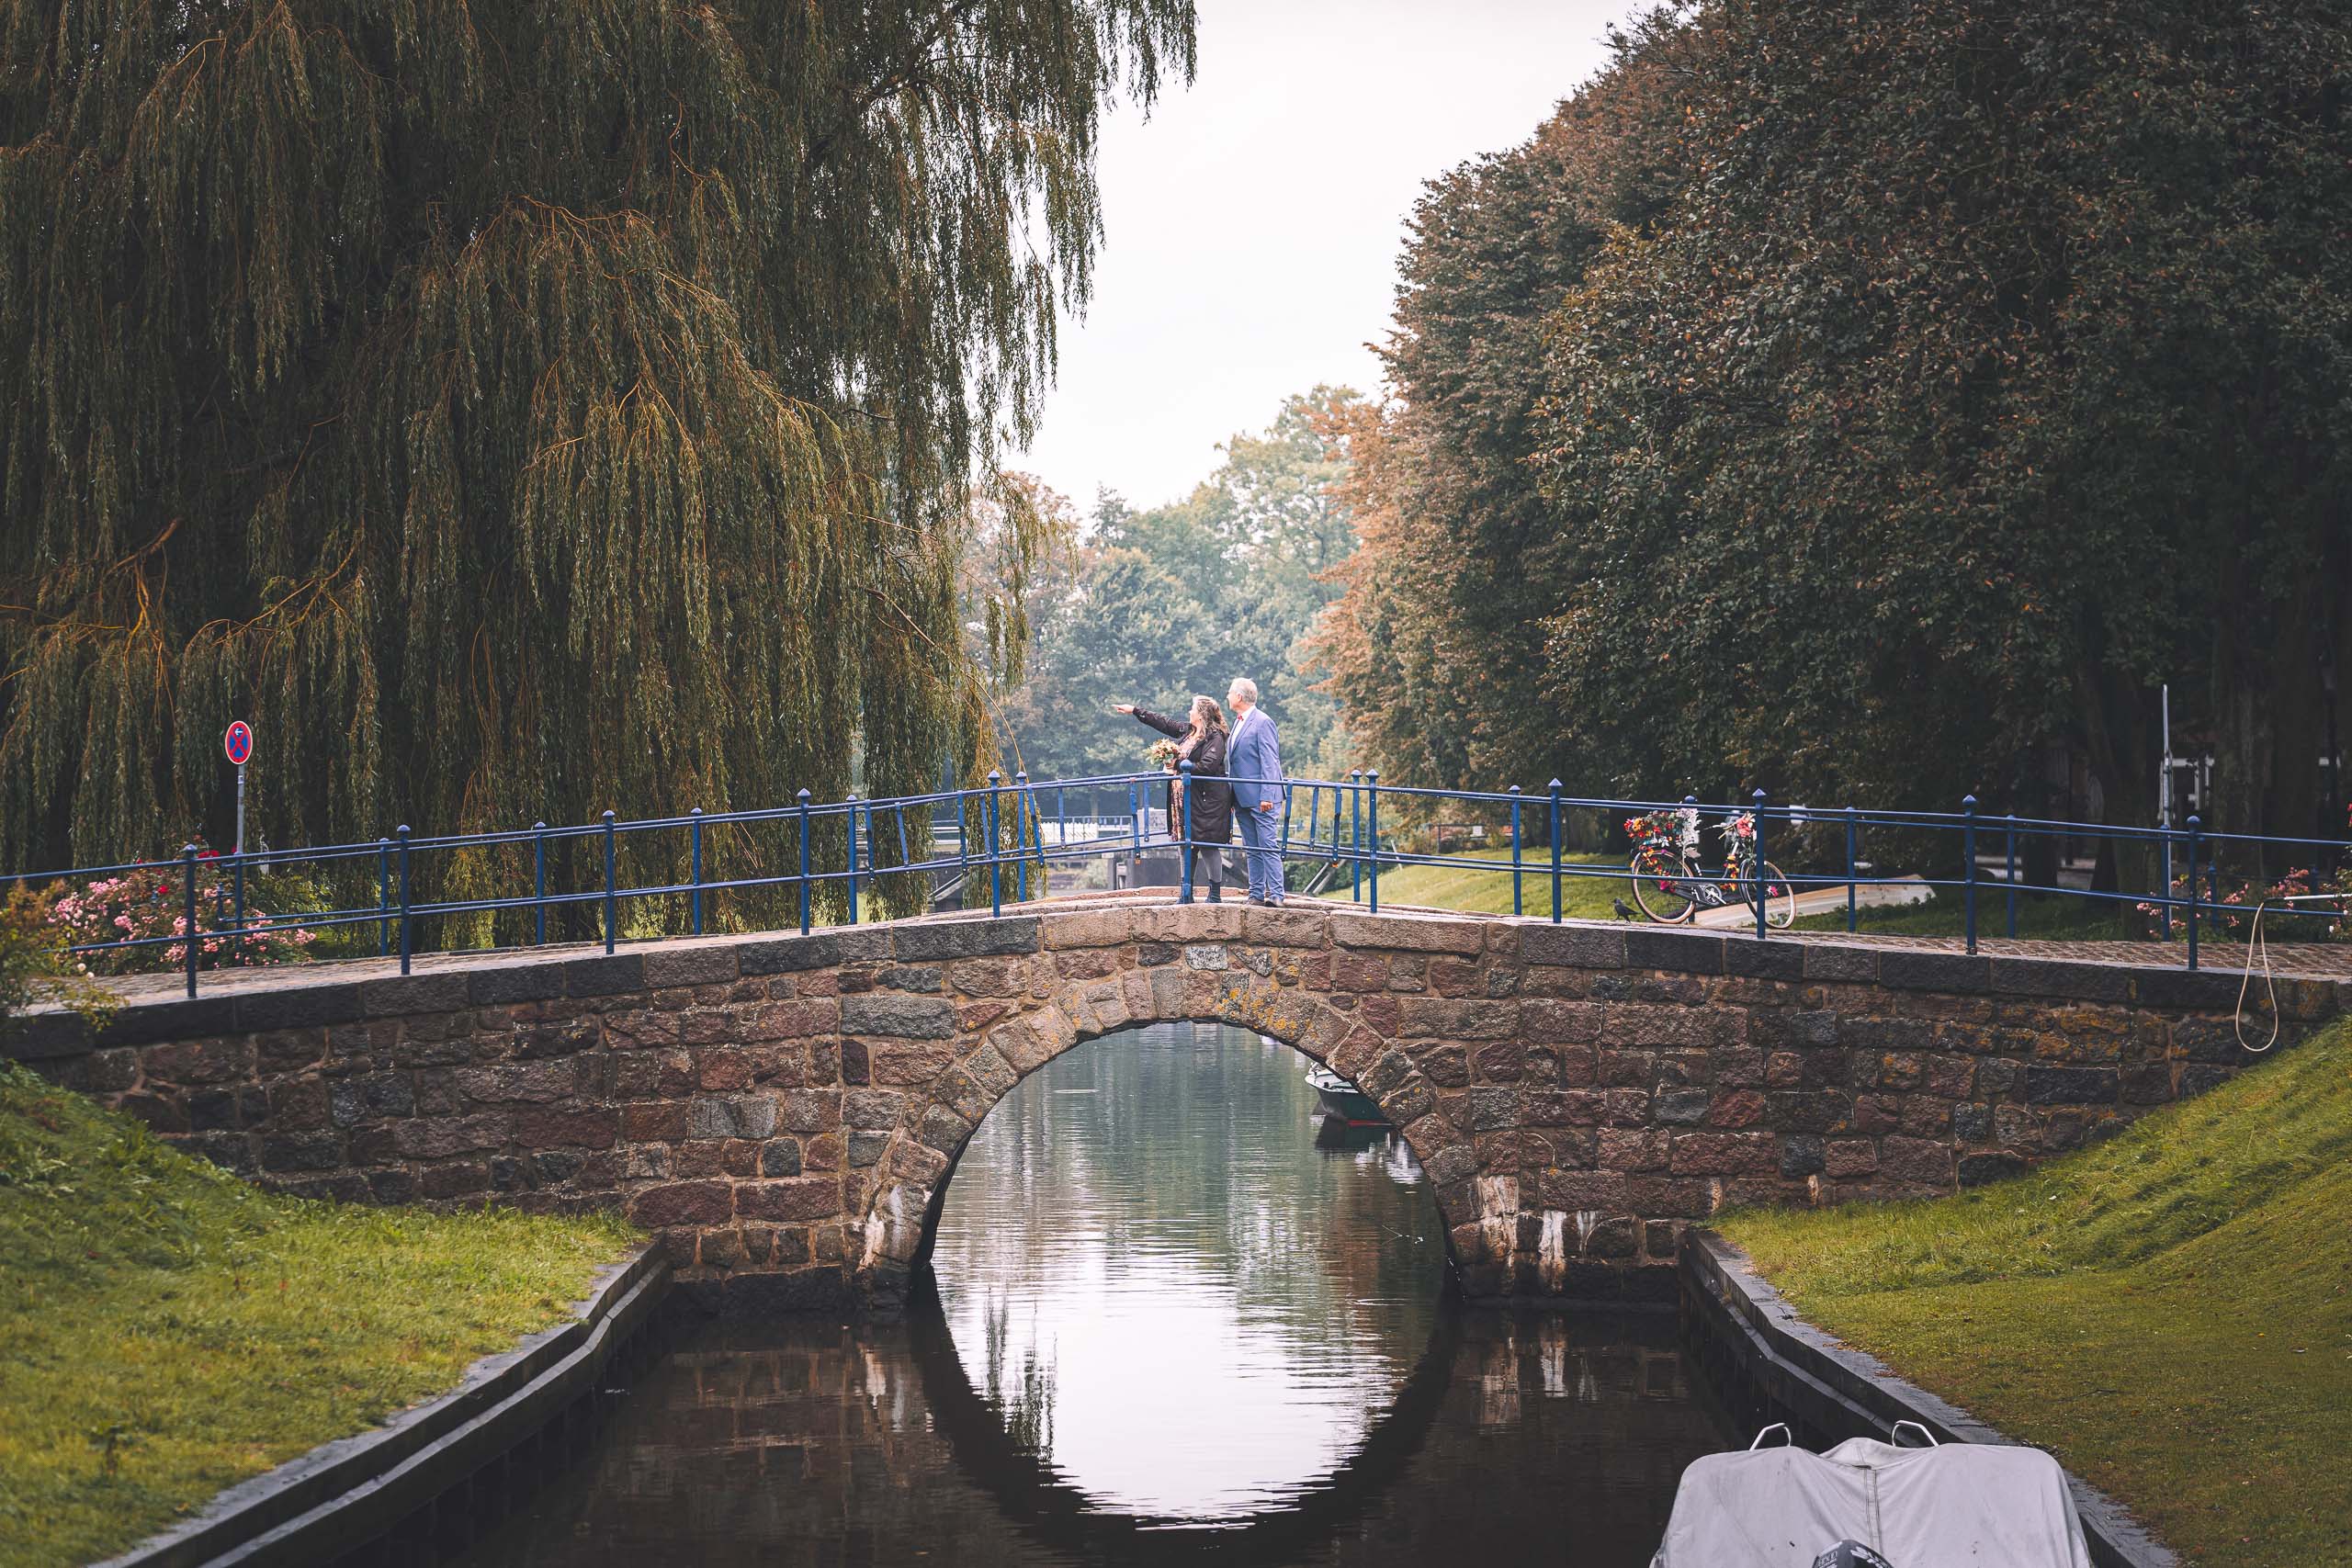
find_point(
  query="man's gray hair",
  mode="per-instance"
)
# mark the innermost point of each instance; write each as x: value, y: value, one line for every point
x: 1243, y: 690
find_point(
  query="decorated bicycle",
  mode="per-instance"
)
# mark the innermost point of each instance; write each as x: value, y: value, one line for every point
x: 1672, y: 884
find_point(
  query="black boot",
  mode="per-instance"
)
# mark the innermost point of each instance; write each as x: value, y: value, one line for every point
x: 1216, y: 893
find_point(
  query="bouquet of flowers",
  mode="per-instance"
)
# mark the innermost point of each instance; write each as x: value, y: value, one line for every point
x: 1162, y: 753
x: 1674, y: 833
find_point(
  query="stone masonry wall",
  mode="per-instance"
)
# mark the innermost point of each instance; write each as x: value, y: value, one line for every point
x: 785, y: 1112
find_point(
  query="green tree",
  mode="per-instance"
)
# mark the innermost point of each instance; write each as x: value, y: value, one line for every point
x: 518, y: 409
x: 1159, y: 604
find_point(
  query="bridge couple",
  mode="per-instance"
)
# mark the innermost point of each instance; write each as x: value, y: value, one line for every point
x: 1237, y: 774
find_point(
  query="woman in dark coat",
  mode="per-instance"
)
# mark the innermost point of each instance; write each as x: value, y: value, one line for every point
x: 1201, y: 743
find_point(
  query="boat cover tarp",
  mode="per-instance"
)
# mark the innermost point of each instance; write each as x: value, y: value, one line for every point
x: 1960, y: 1506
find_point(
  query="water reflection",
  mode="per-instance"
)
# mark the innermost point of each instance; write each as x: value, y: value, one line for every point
x: 1191, y: 1308
x: 1170, y: 1322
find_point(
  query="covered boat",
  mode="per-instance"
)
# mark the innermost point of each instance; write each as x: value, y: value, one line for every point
x: 1344, y: 1100
x: 1957, y: 1505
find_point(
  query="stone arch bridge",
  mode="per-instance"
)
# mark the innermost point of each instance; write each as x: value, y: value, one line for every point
x: 786, y: 1111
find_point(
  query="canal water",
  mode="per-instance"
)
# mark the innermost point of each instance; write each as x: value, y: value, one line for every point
x: 1176, y: 1317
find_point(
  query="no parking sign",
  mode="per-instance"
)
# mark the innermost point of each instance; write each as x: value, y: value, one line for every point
x: 239, y: 745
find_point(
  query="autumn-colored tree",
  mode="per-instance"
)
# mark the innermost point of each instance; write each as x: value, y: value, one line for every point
x: 518, y: 410
x: 1437, y: 651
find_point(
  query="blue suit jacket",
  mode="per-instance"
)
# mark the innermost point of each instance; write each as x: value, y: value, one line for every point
x: 1253, y: 760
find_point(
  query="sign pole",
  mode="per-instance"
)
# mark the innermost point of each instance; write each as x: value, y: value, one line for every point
x: 237, y: 744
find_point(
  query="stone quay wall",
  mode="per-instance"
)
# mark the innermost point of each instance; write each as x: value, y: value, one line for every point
x: 785, y: 1113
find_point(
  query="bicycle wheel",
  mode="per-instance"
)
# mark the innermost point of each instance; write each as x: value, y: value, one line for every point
x: 1780, y: 897
x: 1661, y: 887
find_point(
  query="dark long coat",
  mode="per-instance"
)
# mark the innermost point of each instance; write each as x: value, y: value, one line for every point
x: 1212, y: 796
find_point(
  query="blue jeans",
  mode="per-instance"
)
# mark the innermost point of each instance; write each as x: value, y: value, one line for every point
x: 1262, y: 833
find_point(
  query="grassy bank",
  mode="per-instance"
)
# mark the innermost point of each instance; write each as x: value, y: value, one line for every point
x: 2170, y: 1312
x: 171, y: 1330
x: 1488, y: 892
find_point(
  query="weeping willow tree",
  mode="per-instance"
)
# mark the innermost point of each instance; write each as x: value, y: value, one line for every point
x: 521, y: 408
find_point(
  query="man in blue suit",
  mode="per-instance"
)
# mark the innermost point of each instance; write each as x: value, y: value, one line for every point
x: 1253, y: 762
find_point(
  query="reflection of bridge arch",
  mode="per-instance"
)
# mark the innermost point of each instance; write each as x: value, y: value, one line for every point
x: 902, y: 1218
x: 1042, y: 1502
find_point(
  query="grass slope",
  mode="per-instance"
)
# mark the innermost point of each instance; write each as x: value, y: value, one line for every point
x: 1585, y: 896
x: 171, y: 1330
x: 2169, y: 1311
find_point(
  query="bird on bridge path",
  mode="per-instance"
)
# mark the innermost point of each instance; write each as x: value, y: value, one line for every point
x: 1624, y: 910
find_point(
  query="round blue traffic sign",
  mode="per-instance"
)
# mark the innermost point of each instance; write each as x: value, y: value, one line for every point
x: 238, y: 743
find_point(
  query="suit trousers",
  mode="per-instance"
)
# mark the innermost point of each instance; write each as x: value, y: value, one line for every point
x: 1261, y: 834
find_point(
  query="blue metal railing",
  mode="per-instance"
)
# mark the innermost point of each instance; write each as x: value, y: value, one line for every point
x: 1012, y: 838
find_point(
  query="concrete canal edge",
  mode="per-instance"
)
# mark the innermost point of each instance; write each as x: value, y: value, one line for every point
x: 342, y: 1495
x: 1830, y: 1392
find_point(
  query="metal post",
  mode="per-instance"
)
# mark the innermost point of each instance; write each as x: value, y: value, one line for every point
x: 995, y: 871
x: 1020, y: 838
x: 1852, y: 904
x: 852, y: 856
x: 1135, y: 827
x: 1336, y: 814
x: 1968, y: 857
x: 2010, y: 870
x: 408, y: 943
x: 1184, y: 844
x: 1756, y: 862
x: 612, y: 901
x: 1372, y: 788
x: 1515, y: 900
x: 803, y: 798
x: 1282, y: 846
x: 2195, y: 830
x: 694, y: 843
x: 384, y: 897
x: 539, y: 883
x: 237, y: 875
x: 1355, y: 835
x: 1556, y: 851
x: 189, y: 941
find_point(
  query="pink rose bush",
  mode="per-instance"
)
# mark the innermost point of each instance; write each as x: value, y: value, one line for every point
x: 151, y: 903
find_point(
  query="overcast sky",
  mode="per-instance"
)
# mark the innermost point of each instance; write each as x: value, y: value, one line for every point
x: 1252, y: 224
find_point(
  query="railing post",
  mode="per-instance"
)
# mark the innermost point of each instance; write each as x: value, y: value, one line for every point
x: 612, y: 900
x: 408, y: 941
x: 383, y: 897
x: 1756, y: 861
x: 539, y: 884
x: 2195, y: 835
x: 1371, y: 793
x: 1021, y: 865
x: 963, y: 849
x: 1135, y: 827
x: 803, y: 798
x: 1515, y: 900
x: 1336, y: 814
x: 2010, y: 870
x: 852, y: 857
x: 189, y: 941
x: 1968, y: 858
x: 1556, y: 851
x: 694, y: 846
x: 1355, y: 835
x: 1184, y: 843
x: 996, y: 871
x: 1852, y: 904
